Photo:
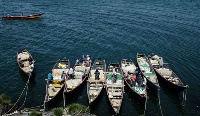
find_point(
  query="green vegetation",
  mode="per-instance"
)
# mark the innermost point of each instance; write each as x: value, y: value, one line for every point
x: 58, y: 111
x: 34, y: 113
x: 77, y: 108
x: 5, y: 103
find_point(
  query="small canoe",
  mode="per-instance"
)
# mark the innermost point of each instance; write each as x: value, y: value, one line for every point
x: 114, y: 86
x: 94, y: 87
x: 139, y: 87
x: 56, y: 86
x: 81, y: 72
x: 35, y: 16
x: 147, y: 71
x: 25, y: 62
x: 165, y: 74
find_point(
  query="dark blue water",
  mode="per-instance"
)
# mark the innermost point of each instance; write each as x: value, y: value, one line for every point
x: 108, y: 29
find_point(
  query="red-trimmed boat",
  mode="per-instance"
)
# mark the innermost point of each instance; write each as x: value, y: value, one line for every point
x: 114, y: 86
x: 138, y: 86
x: 25, y: 62
x: 55, y: 87
x: 35, y: 16
x: 165, y: 74
x: 81, y: 72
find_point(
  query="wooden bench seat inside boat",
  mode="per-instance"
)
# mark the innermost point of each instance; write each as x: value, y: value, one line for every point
x: 58, y: 72
x: 154, y: 62
x: 81, y: 68
x: 164, y: 72
x: 92, y: 80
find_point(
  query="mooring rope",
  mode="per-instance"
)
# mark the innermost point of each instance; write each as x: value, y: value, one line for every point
x: 64, y: 99
x: 145, y: 107
x: 159, y: 101
x: 19, y: 96
x: 184, y: 97
x: 26, y: 94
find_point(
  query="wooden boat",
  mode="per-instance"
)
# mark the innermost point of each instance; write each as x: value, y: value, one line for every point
x: 56, y: 86
x: 25, y: 62
x: 139, y: 88
x: 81, y: 72
x: 165, y: 74
x: 94, y: 87
x: 114, y: 87
x: 35, y: 16
x: 147, y: 71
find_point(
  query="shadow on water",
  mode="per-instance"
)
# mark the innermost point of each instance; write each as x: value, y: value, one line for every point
x: 175, y: 96
x: 102, y: 104
x: 24, y: 77
x: 137, y: 105
x: 58, y: 102
x: 152, y: 106
x: 76, y: 95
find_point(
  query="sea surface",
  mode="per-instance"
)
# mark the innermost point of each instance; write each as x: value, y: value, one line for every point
x: 106, y: 29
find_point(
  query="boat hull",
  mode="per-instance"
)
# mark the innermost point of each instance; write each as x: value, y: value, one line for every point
x: 76, y: 88
x: 174, y: 87
x: 169, y: 84
x: 22, y: 17
x: 135, y: 94
x: 94, y: 101
x: 30, y: 73
x: 54, y: 101
x: 116, y: 112
x: 150, y: 84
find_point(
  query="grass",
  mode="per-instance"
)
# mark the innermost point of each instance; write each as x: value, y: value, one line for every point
x: 58, y: 111
x: 5, y: 103
x: 4, y: 100
x: 77, y: 108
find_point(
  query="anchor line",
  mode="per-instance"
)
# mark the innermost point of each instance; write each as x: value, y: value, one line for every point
x: 159, y: 102
x: 19, y: 96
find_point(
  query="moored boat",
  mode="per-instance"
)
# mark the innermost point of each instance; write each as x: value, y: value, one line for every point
x: 25, y: 62
x: 55, y: 86
x: 147, y: 71
x: 114, y: 86
x: 95, y: 86
x: 135, y: 81
x: 35, y: 16
x: 165, y: 74
x: 81, y: 71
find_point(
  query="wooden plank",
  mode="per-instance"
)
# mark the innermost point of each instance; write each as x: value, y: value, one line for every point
x: 100, y: 80
x: 114, y: 85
